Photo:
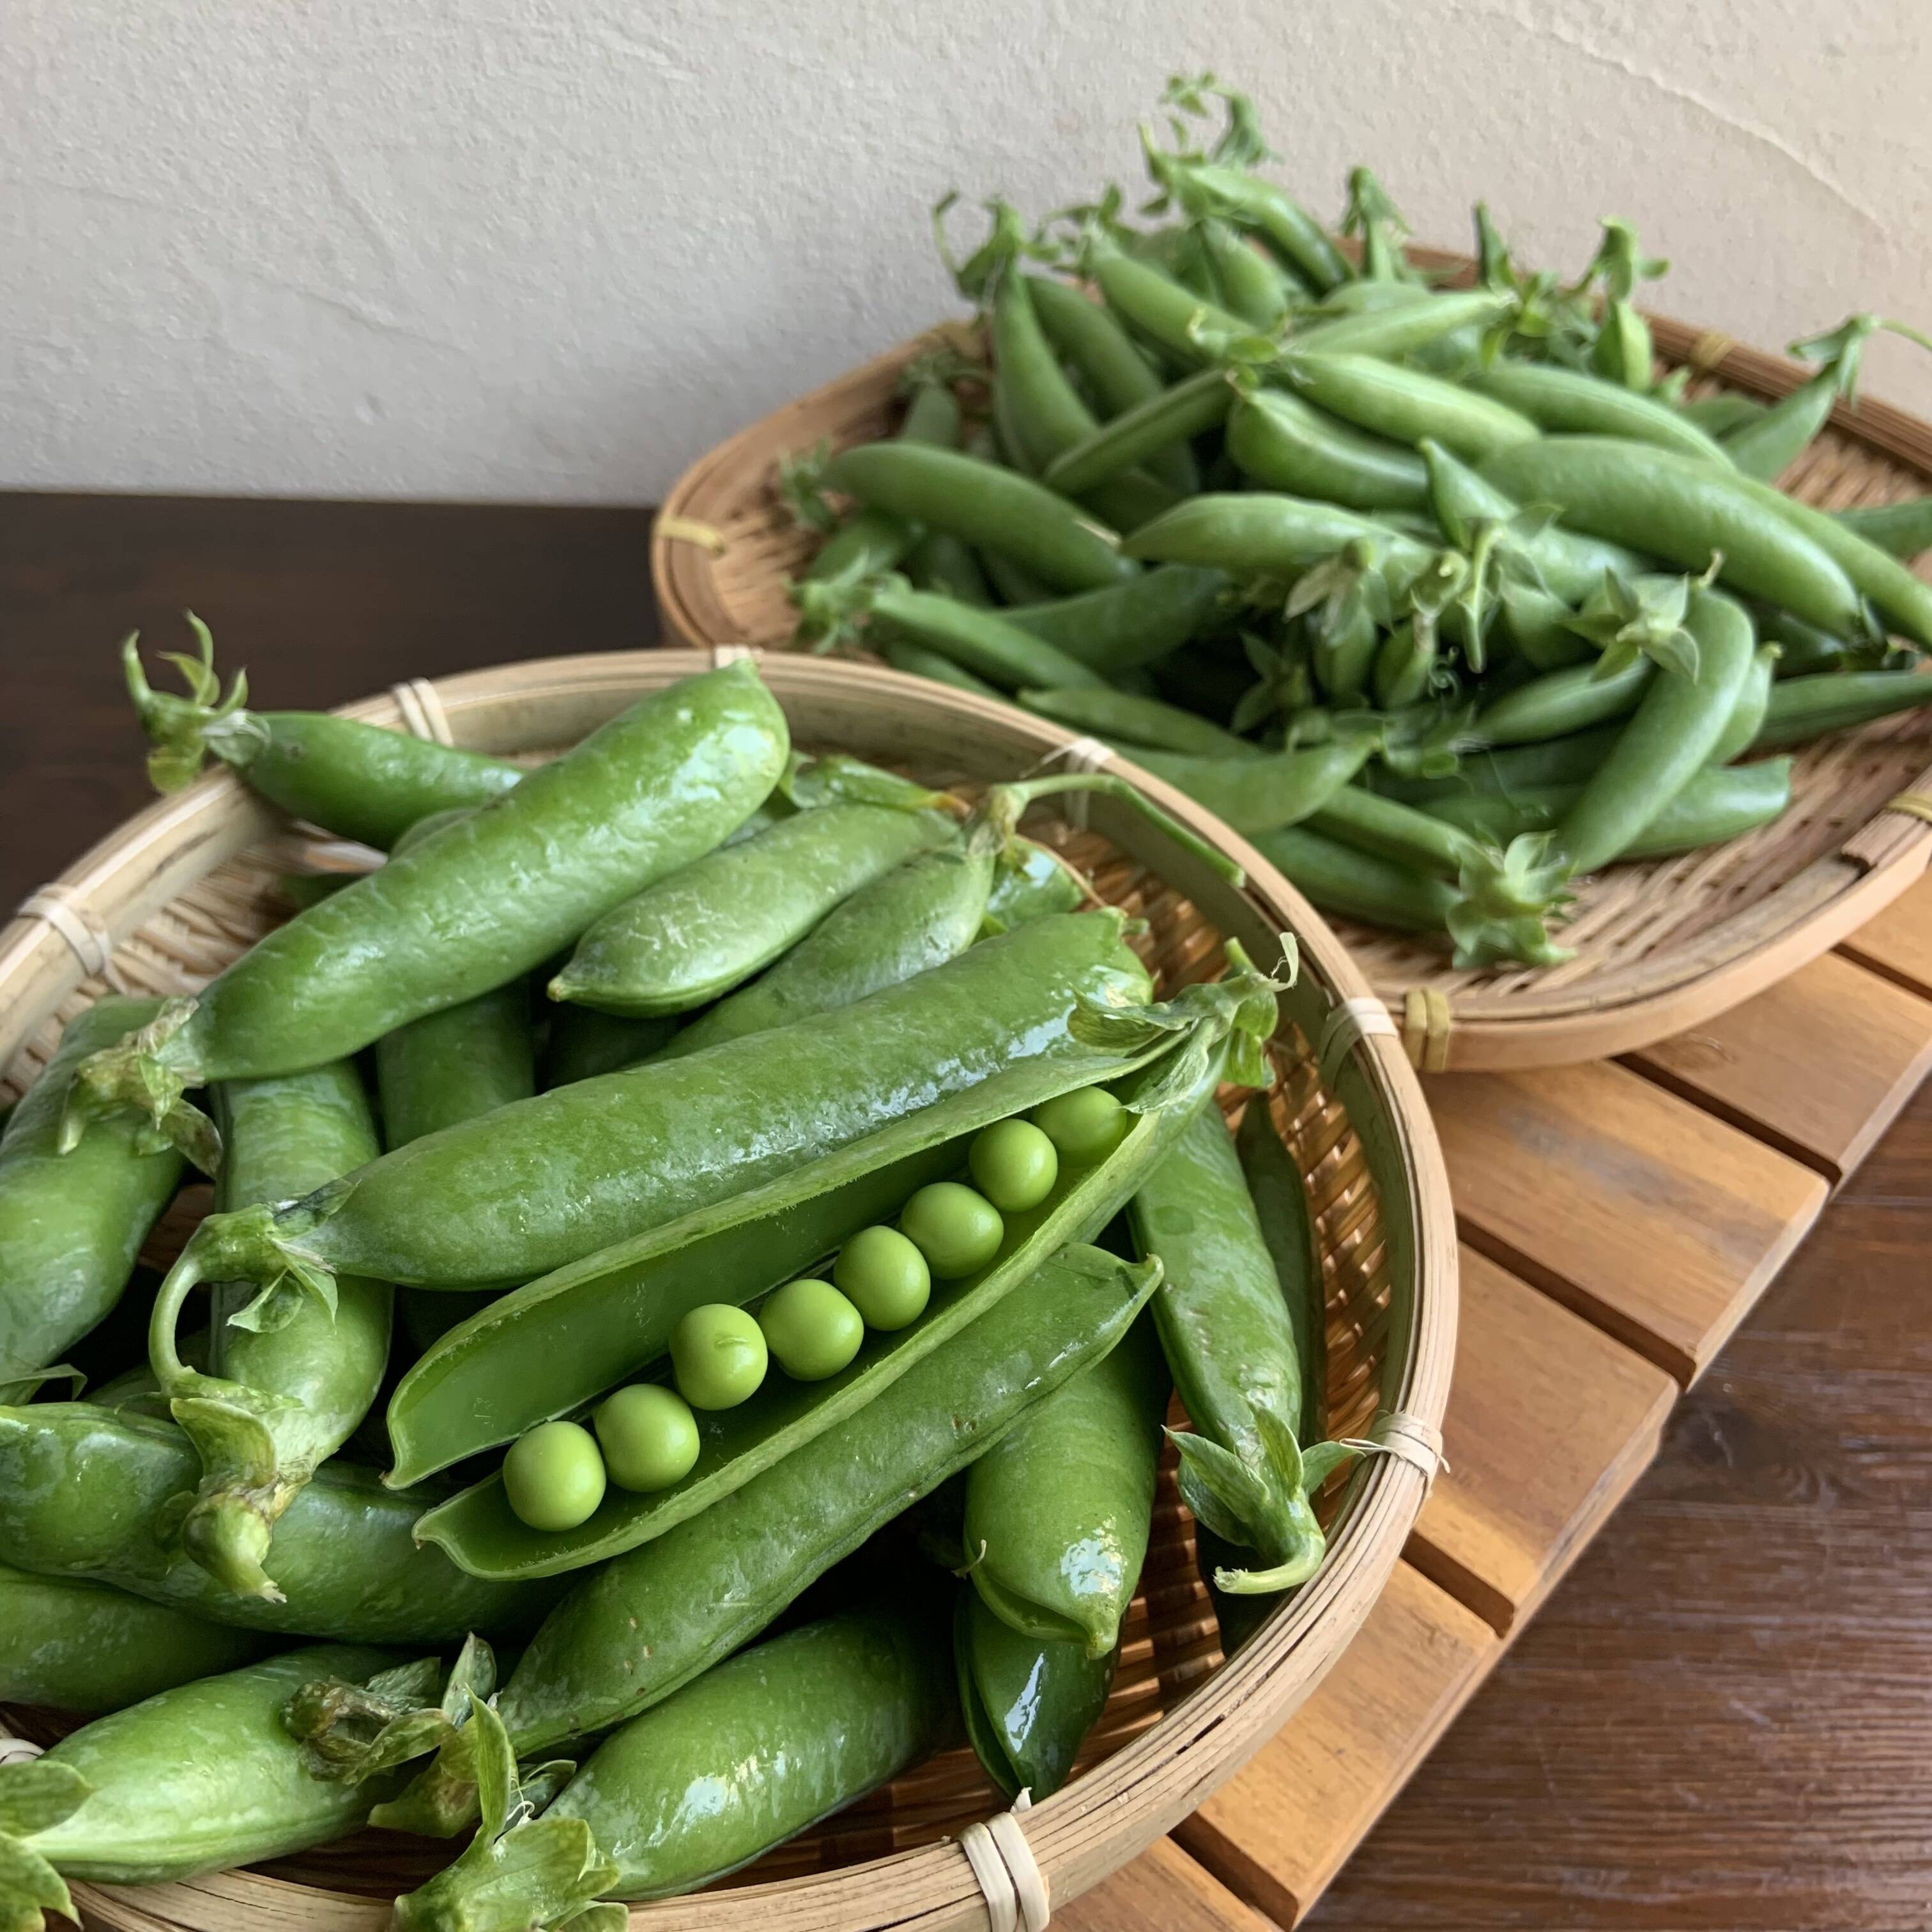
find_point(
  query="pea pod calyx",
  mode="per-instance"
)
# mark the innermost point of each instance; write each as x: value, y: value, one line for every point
x: 35, y: 1797
x: 182, y: 730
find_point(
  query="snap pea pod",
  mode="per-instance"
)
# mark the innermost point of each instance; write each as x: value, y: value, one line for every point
x: 1116, y: 373
x: 1392, y: 830
x: 940, y: 562
x: 1685, y: 512
x: 1192, y: 407
x: 1249, y: 283
x: 877, y: 539
x: 1537, y: 622
x: 992, y: 508
x: 474, y: 905
x: 1568, y: 760
x: 1030, y: 882
x: 1719, y: 414
x: 1803, y: 708
x: 1904, y: 529
x: 691, y: 937
x: 1058, y: 1510
x: 1806, y: 648
x: 1292, y: 234
x: 1338, y: 878
x: 1405, y: 662
x: 1410, y: 321
x: 84, y: 1646
x: 624, y: 1153
x: 916, y: 661
x: 1280, y: 1195
x: 1155, y: 306
x: 1748, y: 714
x: 1560, y: 702
x: 1141, y: 720
x: 1406, y: 406
x: 358, y: 781
x: 80, y: 1487
x: 195, y: 1779
x: 1011, y: 584
x: 1284, y: 443
x: 1118, y: 630
x: 1028, y: 1703
x: 1265, y: 535
x: 1767, y: 445
x: 583, y: 1043
x: 1719, y: 803
x: 1573, y: 402
x: 1256, y: 794
x: 71, y: 1226
x: 290, y: 1376
x: 453, y: 1065
x: 481, y: 1533
x: 1231, y: 1347
x: 1670, y: 737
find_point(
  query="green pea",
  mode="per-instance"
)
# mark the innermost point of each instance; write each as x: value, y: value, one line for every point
x: 957, y: 1230
x: 885, y: 1276
x: 812, y: 1329
x: 718, y: 1354
x: 554, y: 1476
x: 648, y: 1434
x: 1085, y: 1126
x: 1015, y: 1164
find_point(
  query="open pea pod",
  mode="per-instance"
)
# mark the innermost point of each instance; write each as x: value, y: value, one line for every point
x: 477, y: 1528
x: 1028, y: 1702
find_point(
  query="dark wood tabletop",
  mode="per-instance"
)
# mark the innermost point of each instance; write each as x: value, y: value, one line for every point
x: 1723, y: 1717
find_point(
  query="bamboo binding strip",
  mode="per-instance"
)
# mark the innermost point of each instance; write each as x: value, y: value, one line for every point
x: 182, y: 888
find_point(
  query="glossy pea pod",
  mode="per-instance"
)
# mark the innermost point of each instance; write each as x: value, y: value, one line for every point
x: 195, y: 1779
x: 877, y: 539
x: 1180, y: 322
x: 1262, y: 534
x: 1571, y: 402
x: 1262, y: 793
x: 1130, y: 625
x: 81, y: 1646
x: 1230, y: 1344
x: 288, y: 1375
x: 80, y: 1488
x: 1286, y: 443
x: 474, y: 905
x: 1058, y: 1512
x: 1406, y: 406
x: 1027, y: 1702
x: 1338, y: 877
x: 626, y: 1153
x: 482, y: 1534
x: 580, y: 1043
x: 993, y: 509
x: 71, y: 1226
x: 1800, y: 709
x: 1685, y: 512
x: 1287, y: 1222
x: 1031, y: 882
x: 358, y: 781
x: 1399, y: 320
x: 1192, y: 407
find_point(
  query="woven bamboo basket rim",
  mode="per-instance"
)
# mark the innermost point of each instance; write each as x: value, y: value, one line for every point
x: 181, y: 889
x: 1661, y: 945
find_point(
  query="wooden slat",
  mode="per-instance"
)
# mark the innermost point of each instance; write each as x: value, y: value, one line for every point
x: 1279, y: 1830
x: 1550, y: 1421
x: 1163, y: 1890
x: 1659, y: 1223
x: 1818, y: 1066
x: 1898, y: 942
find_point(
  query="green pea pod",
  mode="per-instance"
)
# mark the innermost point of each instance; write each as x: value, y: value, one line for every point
x: 1251, y: 285
x: 990, y: 508
x: 1805, y: 649
x: 71, y: 1227
x: 1292, y: 233
x: 1719, y: 414
x: 1011, y: 585
x: 1028, y: 1702
x: 1141, y: 720
x: 1721, y: 803
x: 1280, y: 1196
x: 1058, y: 1511
x: 1406, y: 406
x: 289, y: 1375
x: 1623, y: 352
x: 1338, y: 878
x: 693, y: 937
x: 1258, y: 535
x: 1030, y: 882
x: 1155, y: 306
x: 477, y: 903
x: 1286, y: 444
x: 582, y: 1043
x: 1231, y: 1347
x: 1405, y: 666
x: 1686, y: 512
x: 454, y: 1065
x: 1537, y: 622
x: 196, y: 1779
x: 875, y: 539
x: 80, y: 1645
x: 1132, y: 624
x: 1803, y: 708
x: 1119, y: 376
x: 358, y: 781
x: 1768, y: 445
x: 1194, y: 406
x: 1568, y: 760
x: 766, y: 1745
x: 482, y: 1535
x: 917, y: 661
x: 944, y: 564
x: 80, y: 1487
x: 1408, y: 319
x: 1672, y: 736
x: 1748, y: 714
x: 1261, y: 794
x: 1560, y: 702
x: 625, y: 1153
x: 1902, y: 529
x: 1395, y: 831
x: 1571, y: 402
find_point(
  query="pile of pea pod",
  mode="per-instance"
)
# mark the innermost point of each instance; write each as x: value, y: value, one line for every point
x: 726, y: 1224
x: 1439, y: 595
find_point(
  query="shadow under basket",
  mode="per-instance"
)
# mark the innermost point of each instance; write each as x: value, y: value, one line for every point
x: 1661, y: 946
x: 179, y: 891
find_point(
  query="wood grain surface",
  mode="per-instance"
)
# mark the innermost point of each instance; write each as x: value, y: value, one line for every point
x: 1719, y: 1716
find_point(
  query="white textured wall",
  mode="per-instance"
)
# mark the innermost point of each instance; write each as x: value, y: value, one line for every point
x: 554, y: 248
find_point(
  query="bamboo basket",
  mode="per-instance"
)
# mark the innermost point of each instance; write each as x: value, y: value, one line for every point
x: 1661, y: 945
x: 180, y: 890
